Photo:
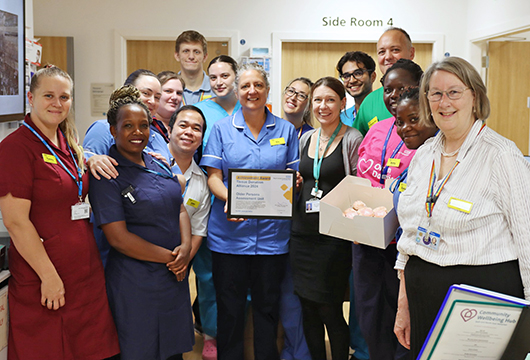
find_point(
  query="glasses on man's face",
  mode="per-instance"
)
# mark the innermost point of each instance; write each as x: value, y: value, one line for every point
x: 292, y: 92
x: 357, y: 74
x: 452, y: 94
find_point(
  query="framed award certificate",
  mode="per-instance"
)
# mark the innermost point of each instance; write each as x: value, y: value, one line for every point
x: 255, y: 194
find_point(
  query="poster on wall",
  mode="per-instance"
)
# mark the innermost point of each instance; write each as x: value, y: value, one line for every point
x: 12, y: 60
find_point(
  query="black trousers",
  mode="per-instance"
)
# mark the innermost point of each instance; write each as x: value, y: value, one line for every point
x: 376, y: 292
x: 427, y: 284
x: 233, y: 276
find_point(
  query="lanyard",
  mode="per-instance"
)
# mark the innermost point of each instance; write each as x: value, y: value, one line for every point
x: 159, y: 128
x: 384, y: 169
x: 186, y: 188
x: 201, y: 98
x: 317, y: 163
x: 432, y: 196
x: 79, y: 174
x: 300, y: 132
x: 395, y: 184
x: 169, y: 174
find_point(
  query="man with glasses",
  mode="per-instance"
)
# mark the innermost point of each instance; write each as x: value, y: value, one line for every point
x: 393, y: 45
x: 357, y: 72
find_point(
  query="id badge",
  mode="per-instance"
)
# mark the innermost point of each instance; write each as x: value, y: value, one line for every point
x: 312, y: 206
x: 80, y: 211
x: 427, y: 238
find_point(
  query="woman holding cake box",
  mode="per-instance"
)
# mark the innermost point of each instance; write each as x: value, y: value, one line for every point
x: 383, y: 155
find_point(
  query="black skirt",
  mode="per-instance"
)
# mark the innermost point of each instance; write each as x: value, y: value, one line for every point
x: 321, y: 267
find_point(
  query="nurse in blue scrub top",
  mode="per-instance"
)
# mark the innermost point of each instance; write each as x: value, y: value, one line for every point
x: 248, y: 254
x: 143, y: 218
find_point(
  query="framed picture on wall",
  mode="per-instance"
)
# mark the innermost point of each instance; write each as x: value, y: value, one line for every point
x: 12, y: 74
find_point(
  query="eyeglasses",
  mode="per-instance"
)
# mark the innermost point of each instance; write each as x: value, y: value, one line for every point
x: 292, y: 92
x: 357, y: 74
x: 452, y: 94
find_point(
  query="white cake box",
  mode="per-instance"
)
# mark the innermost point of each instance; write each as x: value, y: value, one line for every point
x: 372, y: 231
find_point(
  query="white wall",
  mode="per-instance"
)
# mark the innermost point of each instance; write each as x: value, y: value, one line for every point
x: 93, y: 25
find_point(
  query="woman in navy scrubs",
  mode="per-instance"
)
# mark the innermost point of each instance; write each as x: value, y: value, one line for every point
x: 143, y: 219
x: 250, y: 253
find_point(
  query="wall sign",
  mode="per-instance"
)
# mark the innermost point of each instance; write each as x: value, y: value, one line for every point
x: 328, y: 21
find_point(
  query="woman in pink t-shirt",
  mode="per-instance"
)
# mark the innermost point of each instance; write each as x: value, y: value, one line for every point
x: 382, y: 156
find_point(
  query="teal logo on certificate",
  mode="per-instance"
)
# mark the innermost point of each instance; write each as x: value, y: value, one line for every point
x: 475, y: 323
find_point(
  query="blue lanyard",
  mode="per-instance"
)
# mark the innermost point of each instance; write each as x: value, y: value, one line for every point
x: 78, y: 182
x: 395, y: 184
x: 186, y: 188
x: 384, y: 169
x: 317, y: 163
x: 169, y: 174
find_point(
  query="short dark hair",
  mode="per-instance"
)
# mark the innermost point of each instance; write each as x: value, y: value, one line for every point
x: 410, y: 93
x: 173, y: 119
x: 357, y: 57
x: 407, y: 65
x: 131, y: 79
x: 225, y: 59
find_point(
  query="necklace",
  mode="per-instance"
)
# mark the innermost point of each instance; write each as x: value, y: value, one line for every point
x: 451, y: 154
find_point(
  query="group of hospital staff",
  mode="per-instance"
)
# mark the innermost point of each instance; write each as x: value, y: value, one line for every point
x: 115, y: 284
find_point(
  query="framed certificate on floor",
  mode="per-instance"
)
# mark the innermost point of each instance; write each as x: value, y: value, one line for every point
x: 255, y: 194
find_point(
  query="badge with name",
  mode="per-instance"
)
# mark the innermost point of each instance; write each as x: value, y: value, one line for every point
x: 372, y: 122
x: 193, y: 203
x: 80, y: 211
x: 50, y: 159
x: 312, y: 206
x: 460, y: 205
x: 393, y: 162
x: 277, y: 141
x: 429, y: 239
x: 402, y: 187
x: 128, y: 193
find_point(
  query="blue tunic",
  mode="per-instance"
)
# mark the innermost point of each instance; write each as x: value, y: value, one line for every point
x: 232, y: 145
x: 98, y: 140
x: 151, y: 308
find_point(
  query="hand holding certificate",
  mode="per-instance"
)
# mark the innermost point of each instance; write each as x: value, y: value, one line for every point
x: 261, y: 193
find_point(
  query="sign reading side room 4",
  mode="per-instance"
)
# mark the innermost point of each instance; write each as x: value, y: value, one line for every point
x: 353, y: 21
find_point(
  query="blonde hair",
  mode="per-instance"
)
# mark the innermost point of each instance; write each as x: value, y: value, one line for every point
x: 67, y: 126
x: 466, y: 73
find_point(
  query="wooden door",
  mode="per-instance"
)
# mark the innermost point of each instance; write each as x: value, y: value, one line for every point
x: 508, y: 82
x: 318, y: 59
x: 59, y: 51
x: 157, y: 55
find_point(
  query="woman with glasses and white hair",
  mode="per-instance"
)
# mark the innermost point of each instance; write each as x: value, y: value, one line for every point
x: 466, y: 210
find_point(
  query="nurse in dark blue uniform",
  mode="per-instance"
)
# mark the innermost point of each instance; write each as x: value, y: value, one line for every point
x: 142, y: 217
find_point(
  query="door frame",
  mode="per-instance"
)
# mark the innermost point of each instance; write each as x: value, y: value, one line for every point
x: 122, y: 35
x: 278, y: 38
x: 479, y: 43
